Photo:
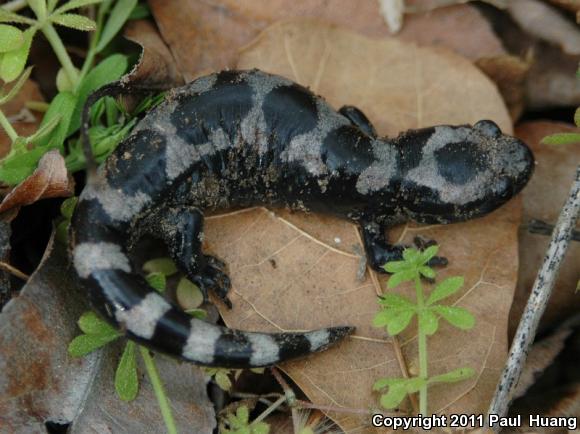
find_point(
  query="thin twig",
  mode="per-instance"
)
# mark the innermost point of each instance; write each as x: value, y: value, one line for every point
x: 537, y: 302
x: 290, y: 396
x: 14, y: 271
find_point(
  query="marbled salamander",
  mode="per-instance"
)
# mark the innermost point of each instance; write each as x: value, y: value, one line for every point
x: 245, y: 138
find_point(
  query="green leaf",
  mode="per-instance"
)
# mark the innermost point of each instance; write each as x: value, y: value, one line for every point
x: 68, y: 206
x: 395, y: 300
x: 188, y: 295
x: 577, y: 117
x: 63, y: 82
x: 243, y: 414
x: 157, y: 280
x: 445, y: 289
x: 384, y: 317
x: 223, y: 380
x: 393, y: 397
x: 413, y: 385
x: 396, y: 266
x: 411, y: 255
x: 44, y: 130
x: 260, y: 428
x: 426, y: 271
x: 11, y: 17
x: 13, y: 62
x: 91, y: 324
x: 561, y: 139
x: 16, y: 168
x: 39, y: 7
x: 456, y: 316
x: 454, y: 376
x: 85, y: 344
x: 118, y: 16
x: 160, y: 265
x: 400, y: 321
x: 126, y: 378
x: 387, y: 382
x: 428, y: 322
x: 429, y: 253
x: 197, y: 313
x: 74, y: 4
x: 11, y: 38
x: 401, y: 277
x: 17, y: 86
x: 107, y: 71
x: 139, y: 12
x: 62, y: 106
x: 75, y: 21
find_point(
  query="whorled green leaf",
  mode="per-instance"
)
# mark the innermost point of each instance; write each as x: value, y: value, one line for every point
x: 164, y: 265
x: 11, y: 17
x: 108, y: 70
x: 75, y: 21
x: 13, y: 62
x: 223, y: 380
x: 561, y: 139
x: 387, y: 382
x: 16, y: 86
x: 400, y: 321
x: 454, y: 376
x: 384, y: 317
x: 411, y: 255
x: 429, y: 253
x: 126, y: 377
x: 39, y: 7
x: 188, y: 294
x: 445, y: 289
x: 414, y: 384
x: 393, y: 397
x: 85, y: 344
x: 396, y: 266
x: 260, y: 428
x: 75, y: 4
x: 427, y: 272
x: 11, y: 38
x: 401, y: 277
x: 456, y: 316
x: 428, y: 322
x: 62, y: 106
x: 157, y: 280
x: 92, y: 324
x: 117, y: 18
x: 394, y: 300
x: 63, y: 81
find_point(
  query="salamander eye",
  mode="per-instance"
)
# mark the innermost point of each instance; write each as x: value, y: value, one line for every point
x: 488, y: 128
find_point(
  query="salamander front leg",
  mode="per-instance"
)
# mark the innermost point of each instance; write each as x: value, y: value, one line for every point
x: 379, y: 251
x: 358, y: 119
x: 182, y: 231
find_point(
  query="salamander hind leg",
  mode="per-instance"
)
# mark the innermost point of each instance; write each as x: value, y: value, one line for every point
x: 379, y: 251
x: 182, y: 231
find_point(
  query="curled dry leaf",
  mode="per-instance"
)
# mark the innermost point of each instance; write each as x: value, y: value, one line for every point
x: 50, y: 179
x: 296, y: 271
x: 156, y: 66
x: 542, y: 199
x: 545, y: 22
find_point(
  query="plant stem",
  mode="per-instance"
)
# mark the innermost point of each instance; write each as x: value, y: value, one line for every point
x: 164, y: 404
x: 60, y: 51
x: 537, y: 302
x: 422, y: 341
x: 5, y: 123
x: 270, y: 409
x: 14, y: 5
x: 91, y: 53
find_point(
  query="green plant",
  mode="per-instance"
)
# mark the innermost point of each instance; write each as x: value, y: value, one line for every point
x: 565, y: 138
x: 397, y: 312
x: 222, y: 375
x: 109, y: 122
x: 239, y: 423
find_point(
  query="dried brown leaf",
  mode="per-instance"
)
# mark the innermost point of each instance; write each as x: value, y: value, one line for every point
x: 50, y: 179
x: 543, y: 199
x: 206, y: 36
x: 545, y: 22
x: 156, y: 66
x: 295, y: 271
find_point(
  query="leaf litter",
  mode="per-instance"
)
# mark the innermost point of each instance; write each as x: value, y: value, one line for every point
x: 294, y: 271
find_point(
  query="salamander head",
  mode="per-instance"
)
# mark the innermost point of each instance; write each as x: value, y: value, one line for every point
x: 454, y: 173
